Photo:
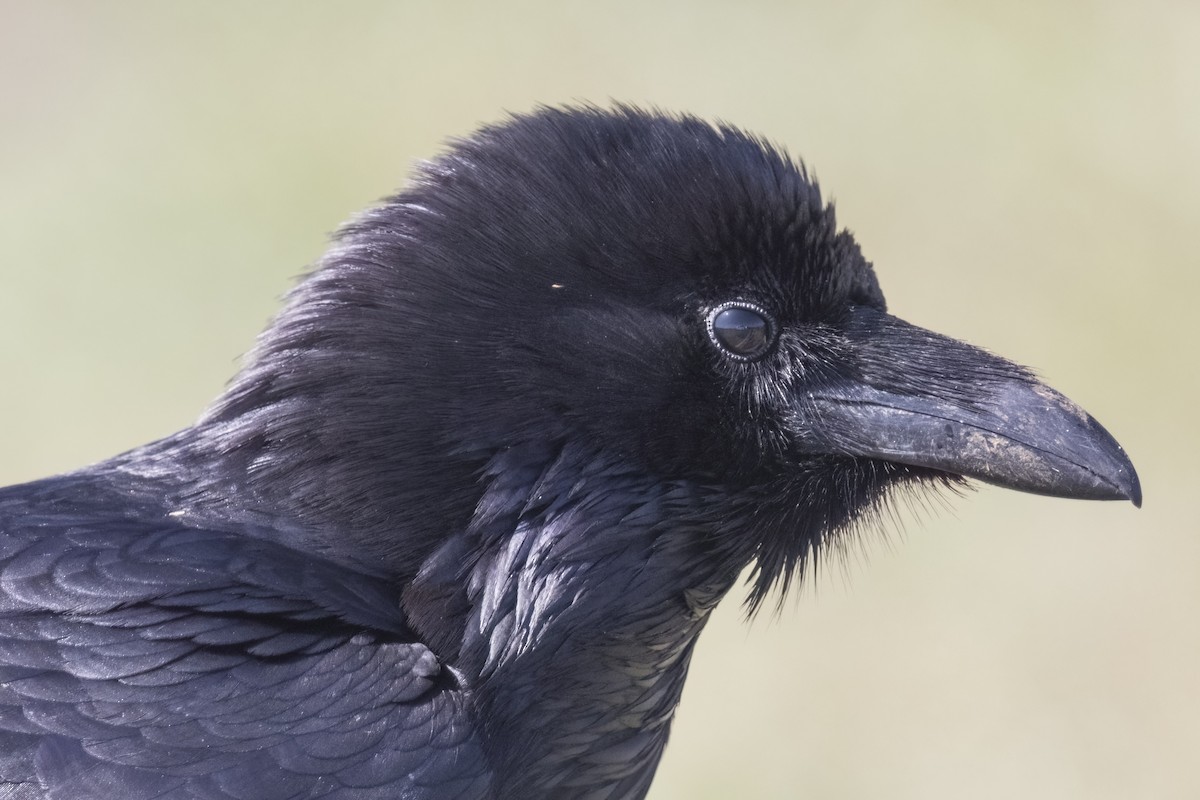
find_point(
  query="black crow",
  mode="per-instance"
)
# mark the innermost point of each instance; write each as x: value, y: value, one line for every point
x: 454, y: 529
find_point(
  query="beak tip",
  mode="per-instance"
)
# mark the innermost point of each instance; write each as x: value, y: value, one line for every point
x: 1120, y: 477
x: 1132, y: 489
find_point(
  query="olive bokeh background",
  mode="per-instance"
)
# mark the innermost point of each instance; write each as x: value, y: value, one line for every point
x: 1024, y: 177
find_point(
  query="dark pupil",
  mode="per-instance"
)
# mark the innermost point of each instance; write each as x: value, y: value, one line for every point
x: 740, y: 331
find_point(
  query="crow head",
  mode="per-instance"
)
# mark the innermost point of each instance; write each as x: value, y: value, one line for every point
x: 675, y: 298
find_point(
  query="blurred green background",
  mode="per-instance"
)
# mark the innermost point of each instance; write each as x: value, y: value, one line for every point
x: 1026, y: 177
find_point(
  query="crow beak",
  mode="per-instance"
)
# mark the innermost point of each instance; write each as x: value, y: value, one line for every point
x: 924, y: 399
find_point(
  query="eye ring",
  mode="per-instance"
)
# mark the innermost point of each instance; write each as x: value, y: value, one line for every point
x: 740, y: 330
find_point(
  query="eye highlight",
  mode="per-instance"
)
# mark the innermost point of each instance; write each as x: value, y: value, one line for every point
x: 743, y: 331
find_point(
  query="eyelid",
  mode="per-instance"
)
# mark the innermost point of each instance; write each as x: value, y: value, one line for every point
x: 769, y: 325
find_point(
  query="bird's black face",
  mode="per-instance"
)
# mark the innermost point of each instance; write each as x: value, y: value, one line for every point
x: 747, y: 304
x: 679, y: 298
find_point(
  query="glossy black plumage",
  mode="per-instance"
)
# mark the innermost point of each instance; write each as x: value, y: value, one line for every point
x: 455, y: 528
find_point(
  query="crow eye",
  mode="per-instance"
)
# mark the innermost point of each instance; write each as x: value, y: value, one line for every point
x: 744, y: 331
